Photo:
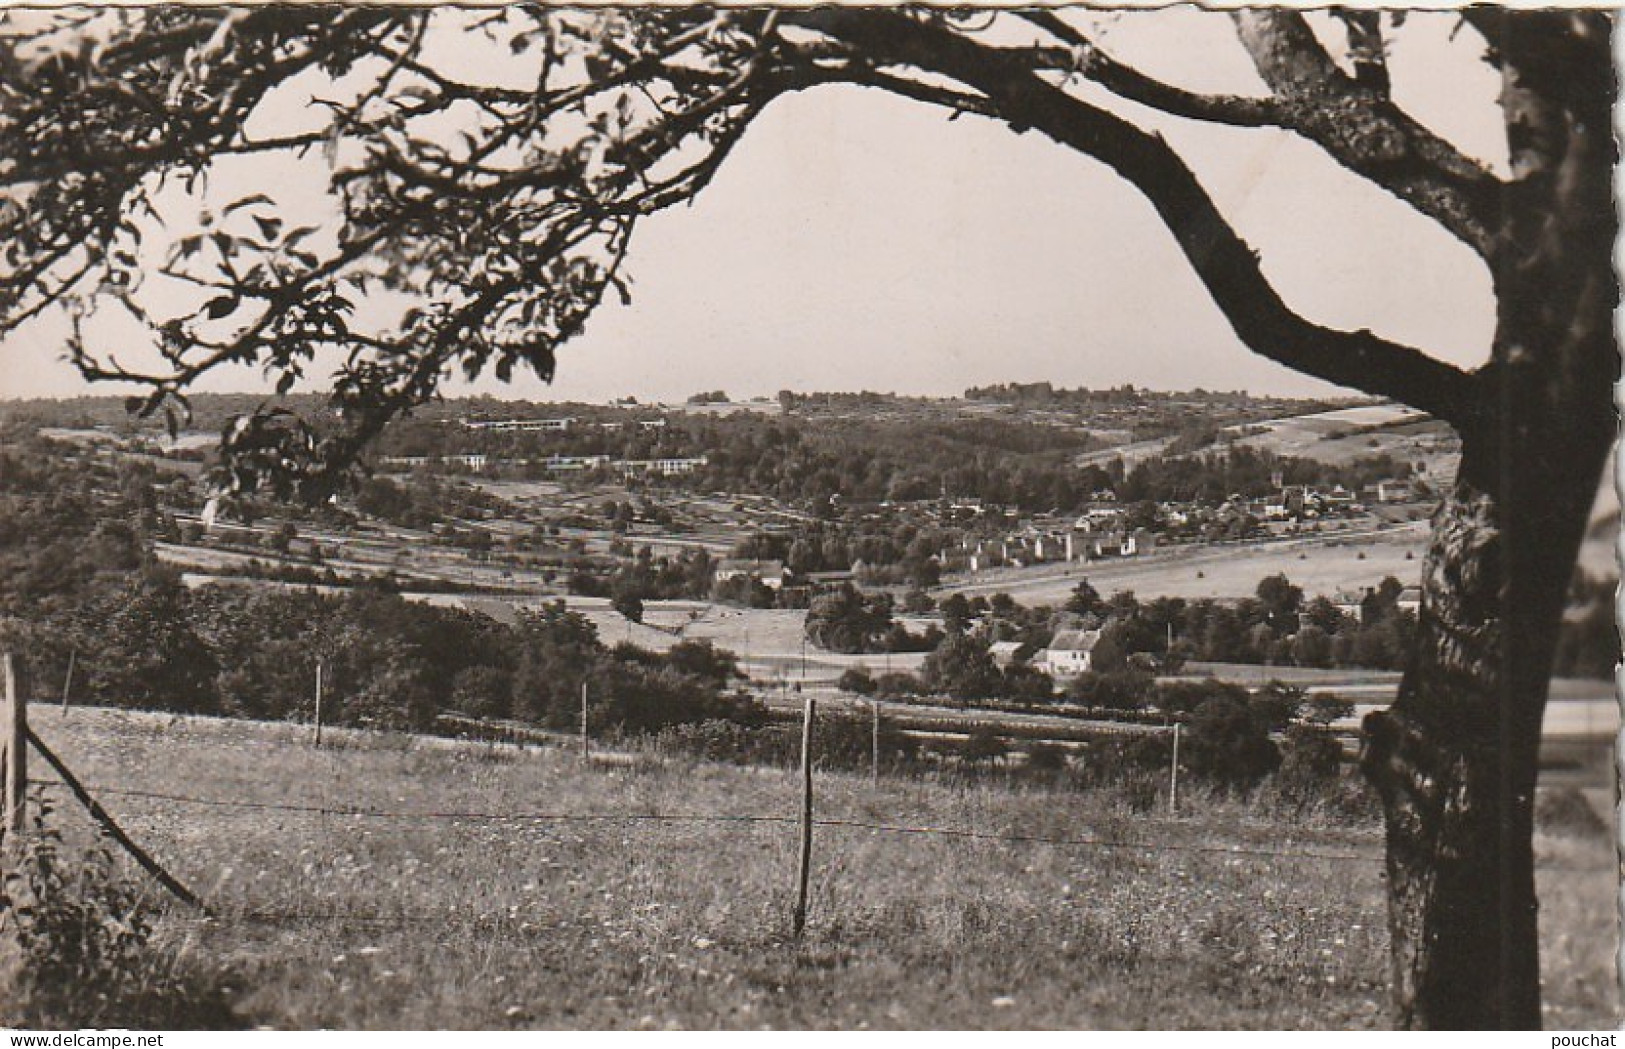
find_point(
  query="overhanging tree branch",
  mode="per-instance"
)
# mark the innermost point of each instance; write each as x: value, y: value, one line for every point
x: 1227, y: 267
x: 1130, y: 83
x: 1363, y: 130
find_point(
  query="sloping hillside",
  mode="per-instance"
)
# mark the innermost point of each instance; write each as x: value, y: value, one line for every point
x: 1349, y: 433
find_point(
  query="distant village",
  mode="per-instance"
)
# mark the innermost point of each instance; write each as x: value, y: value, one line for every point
x: 1105, y: 528
x: 556, y: 464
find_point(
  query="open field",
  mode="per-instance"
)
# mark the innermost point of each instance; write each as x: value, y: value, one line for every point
x: 459, y: 911
x: 1345, y: 419
x: 1339, y: 436
x: 1347, y: 434
x: 1321, y: 564
x: 770, y: 642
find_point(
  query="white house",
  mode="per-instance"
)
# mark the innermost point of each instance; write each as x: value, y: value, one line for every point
x: 1068, y: 653
x: 769, y: 573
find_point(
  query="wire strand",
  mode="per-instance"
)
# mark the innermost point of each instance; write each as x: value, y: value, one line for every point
x: 699, y: 817
x: 339, y: 918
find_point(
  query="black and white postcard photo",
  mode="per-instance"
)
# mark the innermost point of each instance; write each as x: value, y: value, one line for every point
x: 778, y: 518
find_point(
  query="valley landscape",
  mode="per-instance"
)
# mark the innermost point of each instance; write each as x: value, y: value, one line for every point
x: 467, y: 839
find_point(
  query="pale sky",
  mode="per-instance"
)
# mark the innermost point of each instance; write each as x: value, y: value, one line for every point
x: 856, y: 240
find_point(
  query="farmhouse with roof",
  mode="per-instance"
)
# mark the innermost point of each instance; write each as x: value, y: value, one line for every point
x: 1069, y: 653
x: 769, y: 573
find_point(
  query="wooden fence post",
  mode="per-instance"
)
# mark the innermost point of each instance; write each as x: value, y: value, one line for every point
x: 14, y: 725
x: 799, y: 921
x: 67, y: 682
x: 318, y: 702
x: 586, y: 753
x: 1173, y: 776
x: 874, y: 748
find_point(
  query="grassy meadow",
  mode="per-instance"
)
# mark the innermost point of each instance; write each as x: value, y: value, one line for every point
x: 330, y: 920
x: 1324, y: 564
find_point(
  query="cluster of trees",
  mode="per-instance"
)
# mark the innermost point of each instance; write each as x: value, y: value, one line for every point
x: 80, y: 583
x: 844, y: 619
x: 1234, y: 743
x: 837, y: 400
x: 1214, y: 476
x: 888, y: 550
x: 899, y: 459
x: 1276, y: 626
x: 1234, y: 738
x: 68, y: 519
x: 425, y: 500
x: 644, y: 577
x: 1122, y: 691
x: 959, y: 668
x: 144, y: 640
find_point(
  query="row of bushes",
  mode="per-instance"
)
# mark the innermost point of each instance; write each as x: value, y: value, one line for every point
x: 1224, y: 748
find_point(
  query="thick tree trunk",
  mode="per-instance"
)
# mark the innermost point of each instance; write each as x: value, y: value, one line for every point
x: 1456, y: 757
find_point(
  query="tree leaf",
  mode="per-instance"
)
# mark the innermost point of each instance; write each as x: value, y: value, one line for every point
x: 257, y: 198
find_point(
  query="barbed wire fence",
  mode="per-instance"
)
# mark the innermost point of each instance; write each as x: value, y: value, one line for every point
x: 18, y: 736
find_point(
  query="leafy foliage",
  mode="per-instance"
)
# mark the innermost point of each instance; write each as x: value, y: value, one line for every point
x: 844, y: 620
x: 500, y: 238
x: 468, y: 213
x: 1311, y: 762
x: 856, y: 680
x: 1230, y: 746
x: 961, y: 667
x: 80, y: 948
